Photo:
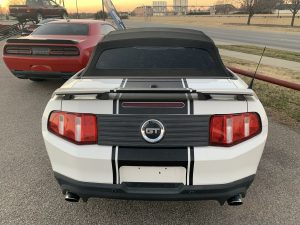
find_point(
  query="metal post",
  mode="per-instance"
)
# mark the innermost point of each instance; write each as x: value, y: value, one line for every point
x: 77, y: 10
x: 103, y: 13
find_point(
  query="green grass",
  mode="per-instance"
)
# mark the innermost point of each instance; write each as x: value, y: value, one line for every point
x: 254, y: 50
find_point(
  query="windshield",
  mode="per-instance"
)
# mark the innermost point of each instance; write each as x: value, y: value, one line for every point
x: 156, y: 58
x: 62, y: 29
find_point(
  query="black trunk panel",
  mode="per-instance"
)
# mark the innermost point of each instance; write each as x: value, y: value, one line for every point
x: 181, y: 130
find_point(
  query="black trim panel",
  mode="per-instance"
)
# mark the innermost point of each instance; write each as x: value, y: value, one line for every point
x: 42, y: 75
x: 192, y: 160
x: 113, y: 164
x: 152, y: 157
x: 144, y: 191
x: 181, y: 130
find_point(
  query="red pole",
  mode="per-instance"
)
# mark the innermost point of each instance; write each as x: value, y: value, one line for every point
x: 269, y: 79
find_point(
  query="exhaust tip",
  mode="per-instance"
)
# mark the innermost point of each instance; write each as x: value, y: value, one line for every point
x: 235, y: 200
x: 70, y: 197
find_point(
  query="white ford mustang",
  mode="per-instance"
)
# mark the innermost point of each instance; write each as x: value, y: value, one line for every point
x: 157, y: 116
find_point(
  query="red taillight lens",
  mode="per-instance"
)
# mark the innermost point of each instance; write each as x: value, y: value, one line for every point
x: 79, y: 128
x: 228, y: 130
x: 15, y: 50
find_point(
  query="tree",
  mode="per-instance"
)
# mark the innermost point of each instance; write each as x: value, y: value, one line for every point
x: 99, y: 15
x: 251, y: 7
x: 294, y: 6
x: 257, y: 6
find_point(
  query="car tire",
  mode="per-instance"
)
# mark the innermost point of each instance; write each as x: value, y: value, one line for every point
x: 36, y: 79
x: 39, y: 17
x: 64, y: 16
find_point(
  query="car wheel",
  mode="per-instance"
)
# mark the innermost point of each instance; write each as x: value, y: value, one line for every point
x: 64, y: 16
x: 39, y: 17
x: 36, y: 79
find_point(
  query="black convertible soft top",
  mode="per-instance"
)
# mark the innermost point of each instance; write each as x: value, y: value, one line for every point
x: 157, y: 38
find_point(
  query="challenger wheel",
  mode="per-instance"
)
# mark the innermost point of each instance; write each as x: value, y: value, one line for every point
x: 64, y: 16
x: 39, y: 17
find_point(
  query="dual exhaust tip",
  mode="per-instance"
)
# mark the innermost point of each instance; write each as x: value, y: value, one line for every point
x: 70, y: 197
x: 233, y: 201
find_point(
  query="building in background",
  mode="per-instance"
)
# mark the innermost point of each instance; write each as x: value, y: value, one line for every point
x: 180, y: 7
x: 159, y: 8
x: 145, y: 11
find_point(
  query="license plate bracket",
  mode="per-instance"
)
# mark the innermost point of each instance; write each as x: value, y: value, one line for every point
x: 148, y: 174
x: 40, y: 51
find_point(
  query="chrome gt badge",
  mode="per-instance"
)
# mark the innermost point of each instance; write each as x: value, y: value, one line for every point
x: 153, y: 131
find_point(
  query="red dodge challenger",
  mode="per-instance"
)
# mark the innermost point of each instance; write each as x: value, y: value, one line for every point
x: 56, y: 50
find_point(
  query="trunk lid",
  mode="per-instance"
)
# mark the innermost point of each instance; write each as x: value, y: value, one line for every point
x: 215, y: 96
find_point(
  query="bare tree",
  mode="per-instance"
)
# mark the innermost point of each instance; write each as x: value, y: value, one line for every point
x: 251, y: 6
x: 294, y: 6
x: 257, y: 6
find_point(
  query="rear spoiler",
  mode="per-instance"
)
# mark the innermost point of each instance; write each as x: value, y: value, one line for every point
x: 80, y: 91
x: 40, y: 41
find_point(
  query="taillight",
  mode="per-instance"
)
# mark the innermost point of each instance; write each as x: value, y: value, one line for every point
x: 64, y: 51
x: 16, y: 50
x: 228, y: 130
x: 42, y: 50
x: 79, y: 128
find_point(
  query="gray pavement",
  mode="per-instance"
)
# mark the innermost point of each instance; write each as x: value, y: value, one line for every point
x: 30, y: 195
x: 280, y: 40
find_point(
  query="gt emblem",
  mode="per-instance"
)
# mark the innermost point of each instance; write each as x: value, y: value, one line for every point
x: 153, y: 131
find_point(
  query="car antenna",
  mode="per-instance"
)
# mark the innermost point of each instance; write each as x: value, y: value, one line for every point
x: 254, y: 75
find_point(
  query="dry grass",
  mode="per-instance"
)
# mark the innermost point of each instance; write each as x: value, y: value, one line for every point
x: 263, y: 23
x: 277, y: 72
x: 282, y: 104
x: 270, y: 52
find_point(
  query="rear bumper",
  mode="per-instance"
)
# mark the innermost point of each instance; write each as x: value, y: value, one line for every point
x: 41, y: 75
x: 144, y: 191
x: 53, y: 67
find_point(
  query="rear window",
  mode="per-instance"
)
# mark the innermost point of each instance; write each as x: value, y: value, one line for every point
x: 62, y: 29
x: 155, y: 58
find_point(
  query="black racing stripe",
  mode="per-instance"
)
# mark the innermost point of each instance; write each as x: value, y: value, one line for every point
x: 153, y: 156
x: 154, y: 83
x: 192, y: 153
x: 113, y: 155
x: 191, y: 104
x: 113, y: 164
x: 185, y: 83
x: 115, y: 105
x: 153, y: 97
x: 135, y: 156
x: 123, y: 82
x: 192, y: 156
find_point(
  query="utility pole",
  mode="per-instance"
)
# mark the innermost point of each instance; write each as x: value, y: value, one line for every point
x: 103, y: 13
x: 77, y: 10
